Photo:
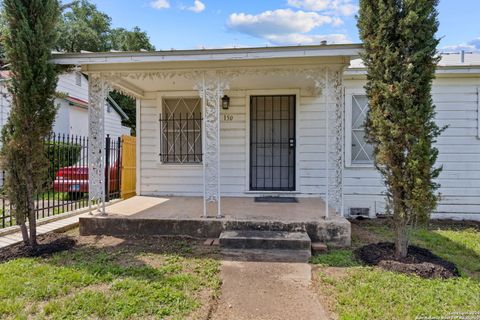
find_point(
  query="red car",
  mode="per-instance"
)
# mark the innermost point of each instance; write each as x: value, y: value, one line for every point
x: 74, y: 179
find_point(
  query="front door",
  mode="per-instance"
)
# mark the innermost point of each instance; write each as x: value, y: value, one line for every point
x: 272, y: 143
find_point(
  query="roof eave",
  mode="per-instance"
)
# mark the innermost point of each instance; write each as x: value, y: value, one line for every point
x: 350, y: 50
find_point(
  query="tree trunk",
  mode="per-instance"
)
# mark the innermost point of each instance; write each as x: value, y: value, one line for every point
x: 32, y: 224
x: 32, y: 221
x: 24, y: 230
x: 401, y: 241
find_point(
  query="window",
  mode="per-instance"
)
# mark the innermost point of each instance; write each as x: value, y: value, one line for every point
x: 361, y: 152
x: 78, y: 79
x: 181, y: 131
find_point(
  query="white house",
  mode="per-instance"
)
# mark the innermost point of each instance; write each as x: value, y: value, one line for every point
x: 72, y: 115
x: 278, y: 121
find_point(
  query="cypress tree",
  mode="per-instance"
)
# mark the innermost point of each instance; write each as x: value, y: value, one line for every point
x: 31, y: 34
x: 400, y: 57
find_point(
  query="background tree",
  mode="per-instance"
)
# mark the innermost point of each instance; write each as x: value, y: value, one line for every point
x: 84, y: 27
x: 400, y: 56
x: 32, y: 31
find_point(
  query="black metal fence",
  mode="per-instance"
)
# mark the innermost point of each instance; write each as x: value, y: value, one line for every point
x: 66, y: 188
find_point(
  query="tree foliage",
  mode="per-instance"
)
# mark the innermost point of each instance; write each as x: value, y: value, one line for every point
x: 84, y: 27
x: 31, y: 36
x: 400, y: 57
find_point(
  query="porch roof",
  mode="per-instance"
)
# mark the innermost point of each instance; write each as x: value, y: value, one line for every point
x: 312, y: 51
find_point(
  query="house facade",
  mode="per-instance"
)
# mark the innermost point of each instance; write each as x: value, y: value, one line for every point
x: 284, y: 121
x: 72, y: 114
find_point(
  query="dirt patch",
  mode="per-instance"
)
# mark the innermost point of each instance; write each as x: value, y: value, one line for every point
x: 47, y: 244
x: 419, y: 261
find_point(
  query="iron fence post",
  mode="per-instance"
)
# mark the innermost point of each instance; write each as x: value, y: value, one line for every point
x: 107, y: 168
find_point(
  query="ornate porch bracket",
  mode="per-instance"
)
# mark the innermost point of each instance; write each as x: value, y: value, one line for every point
x: 98, y: 89
x: 211, y: 87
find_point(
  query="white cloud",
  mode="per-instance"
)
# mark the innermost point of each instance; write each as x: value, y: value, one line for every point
x: 473, y: 45
x: 306, y: 39
x: 338, y: 7
x: 197, y: 7
x: 286, y: 27
x: 279, y: 22
x: 160, y: 4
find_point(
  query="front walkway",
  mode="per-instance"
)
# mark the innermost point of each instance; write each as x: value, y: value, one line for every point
x: 267, y: 291
x: 54, y: 226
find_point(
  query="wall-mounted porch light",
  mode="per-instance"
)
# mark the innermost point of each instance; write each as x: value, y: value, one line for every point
x: 225, y: 102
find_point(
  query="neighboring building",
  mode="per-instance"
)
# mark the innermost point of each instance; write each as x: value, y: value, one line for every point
x: 292, y: 125
x: 72, y: 114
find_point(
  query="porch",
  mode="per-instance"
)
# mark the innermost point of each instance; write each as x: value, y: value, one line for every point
x: 183, y: 216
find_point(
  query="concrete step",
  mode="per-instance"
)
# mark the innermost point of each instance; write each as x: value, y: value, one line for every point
x: 266, y: 255
x: 265, y: 240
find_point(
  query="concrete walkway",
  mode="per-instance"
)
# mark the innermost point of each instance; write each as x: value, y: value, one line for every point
x: 55, y: 226
x: 267, y: 291
x: 11, y: 236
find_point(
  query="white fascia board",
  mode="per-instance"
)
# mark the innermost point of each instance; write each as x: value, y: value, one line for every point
x: 206, y: 55
x: 360, y: 73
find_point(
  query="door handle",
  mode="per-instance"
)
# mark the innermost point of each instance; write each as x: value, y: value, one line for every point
x: 291, y: 143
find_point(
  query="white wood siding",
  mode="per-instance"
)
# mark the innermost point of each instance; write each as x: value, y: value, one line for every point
x: 67, y: 84
x: 457, y: 103
x: 168, y: 179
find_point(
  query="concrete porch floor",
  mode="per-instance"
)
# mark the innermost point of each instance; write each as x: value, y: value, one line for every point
x: 183, y: 216
x: 233, y: 208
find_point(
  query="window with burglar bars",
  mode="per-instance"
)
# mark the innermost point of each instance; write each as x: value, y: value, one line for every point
x: 362, y: 151
x: 181, y: 131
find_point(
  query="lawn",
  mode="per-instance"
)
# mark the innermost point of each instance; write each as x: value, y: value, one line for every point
x: 357, y: 292
x: 110, y: 278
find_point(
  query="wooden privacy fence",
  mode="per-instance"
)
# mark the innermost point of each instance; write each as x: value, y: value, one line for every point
x: 129, y: 166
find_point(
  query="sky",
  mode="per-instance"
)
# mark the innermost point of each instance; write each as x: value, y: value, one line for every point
x: 195, y: 24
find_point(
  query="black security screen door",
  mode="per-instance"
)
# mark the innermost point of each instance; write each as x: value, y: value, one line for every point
x: 272, y: 143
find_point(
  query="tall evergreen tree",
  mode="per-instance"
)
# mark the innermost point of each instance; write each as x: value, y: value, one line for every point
x: 400, y: 57
x: 32, y: 31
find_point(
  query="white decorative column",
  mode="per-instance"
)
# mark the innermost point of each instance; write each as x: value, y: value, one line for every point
x: 211, y: 87
x: 98, y: 90
x: 328, y: 83
x: 335, y: 131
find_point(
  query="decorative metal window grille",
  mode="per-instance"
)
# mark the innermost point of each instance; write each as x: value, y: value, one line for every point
x: 362, y: 152
x: 181, y: 131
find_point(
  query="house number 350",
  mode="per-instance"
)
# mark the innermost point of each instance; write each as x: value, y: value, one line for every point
x: 227, y: 117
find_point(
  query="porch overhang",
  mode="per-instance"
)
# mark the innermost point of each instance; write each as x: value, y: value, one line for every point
x: 318, y: 69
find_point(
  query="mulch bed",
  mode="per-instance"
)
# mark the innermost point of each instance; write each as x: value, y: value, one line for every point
x: 47, y: 244
x: 419, y: 261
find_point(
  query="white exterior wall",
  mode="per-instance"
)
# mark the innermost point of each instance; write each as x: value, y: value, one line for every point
x: 67, y: 84
x: 113, y: 123
x: 61, y: 124
x: 458, y: 106
x: 70, y: 119
x: 187, y: 179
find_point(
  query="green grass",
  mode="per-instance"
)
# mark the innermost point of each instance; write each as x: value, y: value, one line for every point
x: 371, y: 293
x: 96, y: 283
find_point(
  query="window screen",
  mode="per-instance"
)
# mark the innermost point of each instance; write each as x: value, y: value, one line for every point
x: 362, y: 152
